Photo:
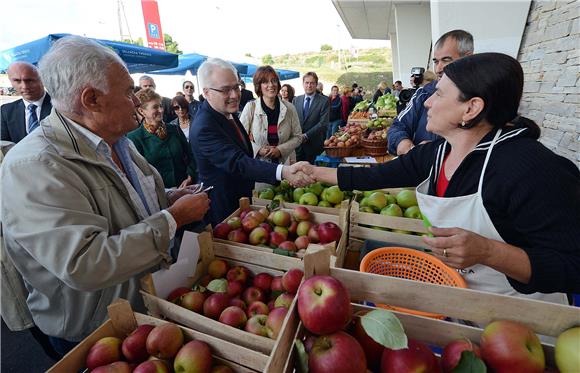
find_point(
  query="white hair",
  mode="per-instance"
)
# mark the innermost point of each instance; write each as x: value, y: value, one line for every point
x: 72, y: 64
x: 207, y: 68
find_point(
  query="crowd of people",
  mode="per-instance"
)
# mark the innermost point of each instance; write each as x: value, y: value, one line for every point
x: 99, y: 177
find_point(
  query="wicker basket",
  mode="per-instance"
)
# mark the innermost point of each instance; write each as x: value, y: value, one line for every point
x: 338, y: 152
x: 374, y: 147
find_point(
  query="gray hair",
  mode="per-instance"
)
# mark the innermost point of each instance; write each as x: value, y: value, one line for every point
x: 72, y: 64
x: 207, y: 68
x: 147, y: 77
x: 463, y: 38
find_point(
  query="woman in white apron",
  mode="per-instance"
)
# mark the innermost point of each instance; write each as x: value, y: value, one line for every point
x: 488, y: 174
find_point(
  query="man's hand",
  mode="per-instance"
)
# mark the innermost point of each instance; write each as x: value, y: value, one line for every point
x: 404, y: 146
x: 299, y: 174
x: 189, y: 208
x: 185, y: 182
x: 303, y: 138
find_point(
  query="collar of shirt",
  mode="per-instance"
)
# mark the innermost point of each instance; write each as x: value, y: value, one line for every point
x: 38, y: 103
x: 92, y: 139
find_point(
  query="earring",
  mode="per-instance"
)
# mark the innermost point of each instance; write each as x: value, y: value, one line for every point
x: 463, y: 123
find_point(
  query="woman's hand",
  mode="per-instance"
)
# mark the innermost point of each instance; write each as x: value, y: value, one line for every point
x: 274, y: 152
x: 459, y: 248
x: 264, y: 150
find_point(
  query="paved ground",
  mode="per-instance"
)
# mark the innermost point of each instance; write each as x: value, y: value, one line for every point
x: 20, y: 353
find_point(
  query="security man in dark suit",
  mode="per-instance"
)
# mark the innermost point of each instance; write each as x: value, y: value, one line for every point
x: 222, y: 148
x: 313, y: 110
x: 21, y: 117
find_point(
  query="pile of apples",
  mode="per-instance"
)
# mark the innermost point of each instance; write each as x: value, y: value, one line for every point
x: 379, y: 135
x: 317, y: 194
x: 257, y: 304
x: 336, y: 344
x: 149, y: 348
x: 342, y: 139
x: 403, y: 204
x: 291, y: 231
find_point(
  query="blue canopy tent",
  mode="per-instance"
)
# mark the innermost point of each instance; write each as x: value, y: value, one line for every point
x: 283, y: 74
x: 138, y: 59
x: 191, y: 62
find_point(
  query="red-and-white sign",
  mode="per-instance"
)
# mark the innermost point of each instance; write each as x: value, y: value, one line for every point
x: 152, y: 24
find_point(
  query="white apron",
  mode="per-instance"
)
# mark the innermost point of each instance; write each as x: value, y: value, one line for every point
x: 468, y: 212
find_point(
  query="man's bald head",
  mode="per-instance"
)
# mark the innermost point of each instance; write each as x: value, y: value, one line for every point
x: 25, y: 80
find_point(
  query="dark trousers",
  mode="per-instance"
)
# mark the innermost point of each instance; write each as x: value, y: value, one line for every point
x: 44, y: 342
x: 61, y: 346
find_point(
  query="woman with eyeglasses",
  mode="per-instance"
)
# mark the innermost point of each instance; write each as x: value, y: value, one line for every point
x: 271, y: 123
x: 163, y: 145
x: 184, y: 118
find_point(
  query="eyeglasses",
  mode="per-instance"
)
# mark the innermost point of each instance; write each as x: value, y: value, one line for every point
x: 188, y: 87
x: 226, y: 91
x: 177, y: 108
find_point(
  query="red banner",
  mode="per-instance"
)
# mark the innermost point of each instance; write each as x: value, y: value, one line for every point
x: 152, y: 24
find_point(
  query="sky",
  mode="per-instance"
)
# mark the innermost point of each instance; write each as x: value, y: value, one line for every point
x: 219, y: 28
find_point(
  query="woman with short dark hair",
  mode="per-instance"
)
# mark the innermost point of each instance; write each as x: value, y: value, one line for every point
x: 184, y: 119
x: 506, y: 207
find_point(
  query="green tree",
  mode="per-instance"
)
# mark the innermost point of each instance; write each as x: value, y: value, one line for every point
x: 325, y: 47
x: 134, y: 42
x: 171, y: 45
x: 267, y: 59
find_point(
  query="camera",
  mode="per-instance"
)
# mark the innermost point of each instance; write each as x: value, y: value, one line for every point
x: 406, y: 94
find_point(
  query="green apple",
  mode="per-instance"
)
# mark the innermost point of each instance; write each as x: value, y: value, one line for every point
x: 267, y: 193
x: 406, y: 198
x: 364, y: 202
x: 392, y: 210
x: 377, y: 201
x: 315, y: 188
x: 390, y: 198
x: 309, y: 199
x: 279, y: 197
x: 368, y: 193
x: 333, y: 194
x: 366, y: 209
x: 413, y: 212
x: 324, y: 204
x: 567, y: 351
x: 297, y: 193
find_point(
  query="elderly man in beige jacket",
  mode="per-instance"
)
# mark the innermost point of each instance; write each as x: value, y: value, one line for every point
x: 84, y: 215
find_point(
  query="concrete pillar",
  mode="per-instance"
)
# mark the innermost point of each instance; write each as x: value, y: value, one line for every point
x: 503, y: 34
x: 413, y: 39
x: 395, y: 56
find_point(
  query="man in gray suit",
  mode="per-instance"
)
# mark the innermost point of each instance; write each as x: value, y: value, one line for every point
x: 312, y: 109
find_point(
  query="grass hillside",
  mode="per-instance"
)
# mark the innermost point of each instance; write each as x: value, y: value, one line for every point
x: 366, y: 67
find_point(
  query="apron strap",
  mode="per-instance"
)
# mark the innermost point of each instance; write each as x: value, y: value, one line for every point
x: 487, y: 159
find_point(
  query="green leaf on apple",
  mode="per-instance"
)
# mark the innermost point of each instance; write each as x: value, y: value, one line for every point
x: 302, y: 356
x: 219, y: 285
x: 199, y: 288
x: 385, y: 328
x: 469, y: 363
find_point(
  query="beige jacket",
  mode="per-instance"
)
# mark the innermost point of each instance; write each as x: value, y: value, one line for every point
x: 72, y: 230
x: 255, y: 122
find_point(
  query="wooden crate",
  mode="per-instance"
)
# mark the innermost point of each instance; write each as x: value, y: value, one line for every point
x: 359, y: 230
x: 481, y: 308
x: 122, y: 321
x: 345, y: 205
x: 271, y: 353
x: 338, y: 250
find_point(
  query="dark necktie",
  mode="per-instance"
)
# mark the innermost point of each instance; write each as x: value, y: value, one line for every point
x: 32, y: 118
x: 306, y: 107
x: 238, y: 132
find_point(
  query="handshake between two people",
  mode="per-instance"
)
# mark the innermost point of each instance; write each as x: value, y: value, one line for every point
x: 299, y: 174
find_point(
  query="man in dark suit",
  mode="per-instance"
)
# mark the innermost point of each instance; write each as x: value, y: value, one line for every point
x: 312, y: 109
x: 21, y: 117
x: 222, y: 148
x: 146, y: 81
x: 246, y: 95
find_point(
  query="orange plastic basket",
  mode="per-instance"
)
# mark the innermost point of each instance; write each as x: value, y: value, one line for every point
x: 411, y: 265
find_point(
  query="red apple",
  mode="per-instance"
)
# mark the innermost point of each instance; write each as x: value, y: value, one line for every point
x: 205, y: 280
x: 329, y: 232
x: 372, y: 349
x: 222, y: 230
x: 249, y: 223
x: 302, y: 243
x: 275, y: 321
x: 452, y: 353
x: 235, y: 222
x: 303, y: 228
x: 265, y: 212
x: 153, y: 366
x: 134, y: 346
x: 283, y: 231
x: 233, y: 316
x: 238, y: 235
x: 195, y: 357
x: 324, y: 305
x: 281, y: 218
x: 284, y: 300
x: 175, y: 294
x: 234, y: 288
x: 217, y: 268
x: 193, y: 301
x: 253, y: 294
x: 257, y: 308
x: 215, y: 304
x: 263, y: 281
x: 276, y: 238
x: 416, y: 358
x: 116, y: 367
x: 287, y: 245
x: 301, y: 213
x: 276, y: 288
x: 509, y: 346
x: 257, y: 325
x: 313, y: 234
x: 292, y: 229
x: 271, y: 304
x: 239, y: 273
x: 256, y: 215
x: 164, y: 341
x: 267, y: 227
x: 243, y: 213
x: 291, y: 280
x: 258, y: 236
x: 105, y: 351
x: 336, y: 353
x: 238, y: 303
